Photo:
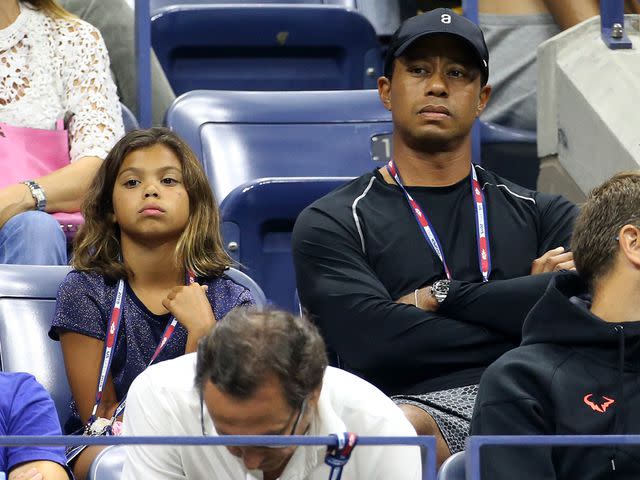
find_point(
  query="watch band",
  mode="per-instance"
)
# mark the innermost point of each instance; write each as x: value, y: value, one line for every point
x: 38, y: 194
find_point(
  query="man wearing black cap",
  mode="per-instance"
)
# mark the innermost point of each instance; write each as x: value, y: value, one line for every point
x: 420, y: 273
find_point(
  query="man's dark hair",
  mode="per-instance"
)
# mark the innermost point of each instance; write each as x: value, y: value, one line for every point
x: 610, y: 206
x: 249, y: 345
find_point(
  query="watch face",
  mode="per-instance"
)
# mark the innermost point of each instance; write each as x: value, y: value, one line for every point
x: 440, y: 290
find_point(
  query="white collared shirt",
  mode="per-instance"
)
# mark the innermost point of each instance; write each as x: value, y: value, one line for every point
x: 164, y: 401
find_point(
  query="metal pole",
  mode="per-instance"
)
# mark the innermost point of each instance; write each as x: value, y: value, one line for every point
x: 612, y: 24
x: 143, y: 62
x: 470, y: 10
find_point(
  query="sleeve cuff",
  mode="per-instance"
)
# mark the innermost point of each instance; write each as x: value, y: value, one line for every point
x: 454, y: 289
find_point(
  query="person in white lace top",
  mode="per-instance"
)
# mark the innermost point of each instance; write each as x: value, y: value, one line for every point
x: 52, y: 66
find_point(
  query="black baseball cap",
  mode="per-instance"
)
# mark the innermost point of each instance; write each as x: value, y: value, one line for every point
x: 440, y: 20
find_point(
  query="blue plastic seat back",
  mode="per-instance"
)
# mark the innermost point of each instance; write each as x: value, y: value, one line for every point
x: 258, y: 219
x: 511, y: 153
x: 129, y: 119
x: 108, y: 464
x: 27, y: 304
x: 265, y: 47
x: 155, y: 5
x: 453, y: 468
x: 243, y: 136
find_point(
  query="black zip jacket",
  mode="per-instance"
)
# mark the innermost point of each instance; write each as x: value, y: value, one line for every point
x: 574, y: 374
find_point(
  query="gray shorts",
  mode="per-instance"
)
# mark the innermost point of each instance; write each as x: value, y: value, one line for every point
x: 451, y: 409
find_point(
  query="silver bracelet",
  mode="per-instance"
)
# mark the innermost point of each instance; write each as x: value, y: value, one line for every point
x: 38, y: 194
x: 415, y: 296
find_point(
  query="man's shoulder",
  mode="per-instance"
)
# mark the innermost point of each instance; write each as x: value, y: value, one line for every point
x: 9, y: 381
x: 514, y: 191
x: 360, y: 404
x: 17, y: 387
x: 335, y: 210
x: 171, y: 377
x: 521, y: 372
x: 343, y: 196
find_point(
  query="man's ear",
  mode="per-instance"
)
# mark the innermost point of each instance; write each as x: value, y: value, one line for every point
x: 384, y: 91
x: 483, y: 99
x: 314, y: 397
x: 629, y: 241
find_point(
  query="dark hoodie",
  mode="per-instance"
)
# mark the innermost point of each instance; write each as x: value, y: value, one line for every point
x: 573, y: 374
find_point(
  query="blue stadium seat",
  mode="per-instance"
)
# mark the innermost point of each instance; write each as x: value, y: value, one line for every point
x: 108, y: 464
x: 453, y: 468
x: 265, y: 47
x: 155, y: 5
x: 128, y: 118
x: 27, y: 304
x: 257, y: 221
x: 511, y: 153
x: 248, y: 282
x: 243, y: 136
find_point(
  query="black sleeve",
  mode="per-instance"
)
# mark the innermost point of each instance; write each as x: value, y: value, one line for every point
x: 513, y: 401
x: 357, y: 316
x: 501, y: 305
x: 557, y: 216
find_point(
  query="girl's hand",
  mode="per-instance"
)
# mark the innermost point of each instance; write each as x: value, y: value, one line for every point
x: 191, y: 307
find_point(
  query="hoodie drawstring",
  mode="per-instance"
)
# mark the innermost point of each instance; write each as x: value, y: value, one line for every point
x: 618, y: 415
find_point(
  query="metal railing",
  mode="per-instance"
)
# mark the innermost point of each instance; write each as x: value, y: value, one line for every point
x: 428, y: 444
x: 472, y: 453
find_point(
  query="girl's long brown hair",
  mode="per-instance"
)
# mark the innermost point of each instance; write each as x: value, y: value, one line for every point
x: 97, y: 244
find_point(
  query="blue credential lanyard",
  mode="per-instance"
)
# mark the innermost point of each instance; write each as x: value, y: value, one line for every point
x: 110, y: 344
x: 430, y: 235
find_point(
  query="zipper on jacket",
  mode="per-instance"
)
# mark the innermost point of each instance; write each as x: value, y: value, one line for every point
x: 619, y: 412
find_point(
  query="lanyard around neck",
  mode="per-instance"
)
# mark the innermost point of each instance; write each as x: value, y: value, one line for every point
x: 110, y: 344
x: 429, y: 233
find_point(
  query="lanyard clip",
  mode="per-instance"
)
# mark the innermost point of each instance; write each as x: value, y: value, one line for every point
x: 338, y: 456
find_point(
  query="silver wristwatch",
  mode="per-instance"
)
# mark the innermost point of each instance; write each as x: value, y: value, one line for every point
x: 440, y: 290
x: 38, y: 194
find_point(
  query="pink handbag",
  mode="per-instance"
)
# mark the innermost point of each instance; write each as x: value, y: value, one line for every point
x: 30, y: 153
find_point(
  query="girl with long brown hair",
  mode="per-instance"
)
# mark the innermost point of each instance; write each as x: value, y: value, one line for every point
x: 149, y: 260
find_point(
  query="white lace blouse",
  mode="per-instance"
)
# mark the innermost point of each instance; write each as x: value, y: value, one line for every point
x: 52, y: 68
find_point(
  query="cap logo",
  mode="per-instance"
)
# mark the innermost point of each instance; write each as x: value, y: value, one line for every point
x: 445, y: 18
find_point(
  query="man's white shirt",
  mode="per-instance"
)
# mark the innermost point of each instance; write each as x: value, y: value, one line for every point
x: 163, y: 401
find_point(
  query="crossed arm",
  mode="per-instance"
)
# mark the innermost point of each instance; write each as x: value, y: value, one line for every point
x: 379, y: 336
x: 523, y: 290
